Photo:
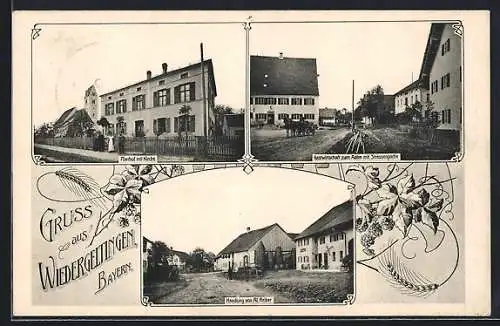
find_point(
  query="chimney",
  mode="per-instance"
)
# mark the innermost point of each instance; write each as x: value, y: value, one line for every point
x: 281, y: 55
x: 164, y: 67
x: 248, y: 229
x: 148, y: 74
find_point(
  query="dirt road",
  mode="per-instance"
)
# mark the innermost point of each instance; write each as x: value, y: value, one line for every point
x: 273, y: 145
x: 212, y: 288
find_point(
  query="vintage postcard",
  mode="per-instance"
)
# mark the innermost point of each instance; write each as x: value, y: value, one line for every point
x: 251, y: 164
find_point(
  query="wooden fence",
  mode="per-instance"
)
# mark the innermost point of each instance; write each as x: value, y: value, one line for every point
x: 219, y: 148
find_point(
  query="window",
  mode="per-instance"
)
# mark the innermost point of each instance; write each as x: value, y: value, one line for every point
x: 190, y: 124
x: 331, y: 237
x: 283, y: 101
x: 341, y: 254
x: 300, y: 259
x: 161, y: 82
x: 309, y: 101
x: 322, y: 240
x: 184, y: 75
x: 265, y: 100
x: 121, y: 94
x: 428, y: 97
x: 139, y: 88
x: 445, y: 47
x: 251, y: 100
x: 161, y: 97
x: 406, y: 101
x: 138, y: 103
x: 260, y: 116
x: 309, y: 116
x: 93, y: 101
x: 121, y: 106
x: 446, y: 116
x: 109, y: 97
x: 160, y: 126
x: 333, y: 256
x: 341, y: 236
x: 307, y: 242
x: 282, y: 116
x: 445, y: 81
x: 306, y: 258
x: 296, y: 101
x: 184, y: 93
x: 245, y: 260
x: 109, y: 109
x: 434, y: 87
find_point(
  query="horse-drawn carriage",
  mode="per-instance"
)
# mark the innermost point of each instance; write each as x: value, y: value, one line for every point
x: 300, y: 127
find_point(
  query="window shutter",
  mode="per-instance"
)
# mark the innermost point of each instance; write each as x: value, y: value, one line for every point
x: 155, y: 126
x: 192, y: 95
x: 167, y: 127
x: 155, y: 99
x: 177, y: 95
x: 176, y: 124
x: 192, y: 123
x: 168, y: 96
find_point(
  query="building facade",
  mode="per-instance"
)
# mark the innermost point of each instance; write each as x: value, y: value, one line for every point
x: 411, y: 94
x: 152, y: 106
x: 446, y: 80
x: 253, y: 248
x: 91, y: 103
x: 327, y: 241
x: 283, y: 87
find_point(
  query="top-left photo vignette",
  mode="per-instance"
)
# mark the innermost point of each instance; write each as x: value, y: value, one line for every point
x: 137, y: 93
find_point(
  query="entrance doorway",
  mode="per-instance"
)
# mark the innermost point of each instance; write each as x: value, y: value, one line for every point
x: 270, y: 118
x: 325, y: 255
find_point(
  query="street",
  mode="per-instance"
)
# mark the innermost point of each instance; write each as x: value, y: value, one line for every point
x: 273, y: 145
x: 212, y: 288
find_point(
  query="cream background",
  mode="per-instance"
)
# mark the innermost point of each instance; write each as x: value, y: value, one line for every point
x: 475, y: 166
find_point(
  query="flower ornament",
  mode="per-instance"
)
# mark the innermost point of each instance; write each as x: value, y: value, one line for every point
x: 125, y: 188
x: 402, y: 202
x: 140, y: 172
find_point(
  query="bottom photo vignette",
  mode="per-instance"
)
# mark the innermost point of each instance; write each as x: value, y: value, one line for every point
x: 280, y: 258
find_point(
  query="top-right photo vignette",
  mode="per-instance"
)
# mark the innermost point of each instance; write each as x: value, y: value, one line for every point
x: 356, y: 91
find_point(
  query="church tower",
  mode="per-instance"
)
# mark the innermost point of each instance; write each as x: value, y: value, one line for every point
x: 91, y: 103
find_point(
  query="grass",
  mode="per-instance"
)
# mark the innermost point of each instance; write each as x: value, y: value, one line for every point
x: 310, y: 287
x: 390, y: 140
x: 158, y: 290
x: 51, y: 156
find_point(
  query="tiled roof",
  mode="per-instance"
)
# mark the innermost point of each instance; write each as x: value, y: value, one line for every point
x: 246, y: 240
x: 283, y: 76
x: 327, y: 113
x: 184, y: 256
x: 64, y: 117
x: 431, y: 49
x: 340, y: 214
x: 416, y: 84
x: 292, y: 235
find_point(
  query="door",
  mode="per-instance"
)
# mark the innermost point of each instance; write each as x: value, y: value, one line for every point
x: 139, y: 128
x: 350, y: 247
x: 270, y: 118
x: 320, y: 256
x: 325, y: 256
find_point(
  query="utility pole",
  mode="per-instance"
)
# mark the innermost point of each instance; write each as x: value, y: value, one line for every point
x: 205, y: 116
x: 352, y: 127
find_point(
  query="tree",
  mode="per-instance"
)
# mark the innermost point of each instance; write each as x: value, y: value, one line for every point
x: 184, y: 113
x: 159, y: 251
x: 201, y: 260
x: 370, y: 104
x: 81, y: 125
x: 219, y: 112
x: 45, y: 130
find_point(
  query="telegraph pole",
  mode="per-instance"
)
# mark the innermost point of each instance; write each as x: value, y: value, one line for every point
x: 205, y: 118
x: 352, y: 127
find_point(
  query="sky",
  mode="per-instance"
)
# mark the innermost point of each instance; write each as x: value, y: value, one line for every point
x: 68, y: 59
x: 185, y: 215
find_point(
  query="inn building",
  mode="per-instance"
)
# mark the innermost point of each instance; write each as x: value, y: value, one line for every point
x: 324, y: 244
x: 283, y: 87
x: 151, y: 106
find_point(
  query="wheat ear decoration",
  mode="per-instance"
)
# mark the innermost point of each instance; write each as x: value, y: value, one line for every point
x: 404, y: 279
x: 81, y: 185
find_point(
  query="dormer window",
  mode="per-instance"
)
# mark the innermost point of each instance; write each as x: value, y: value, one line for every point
x: 184, y: 75
x: 121, y: 94
x: 161, y: 82
x: 139, y: 88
